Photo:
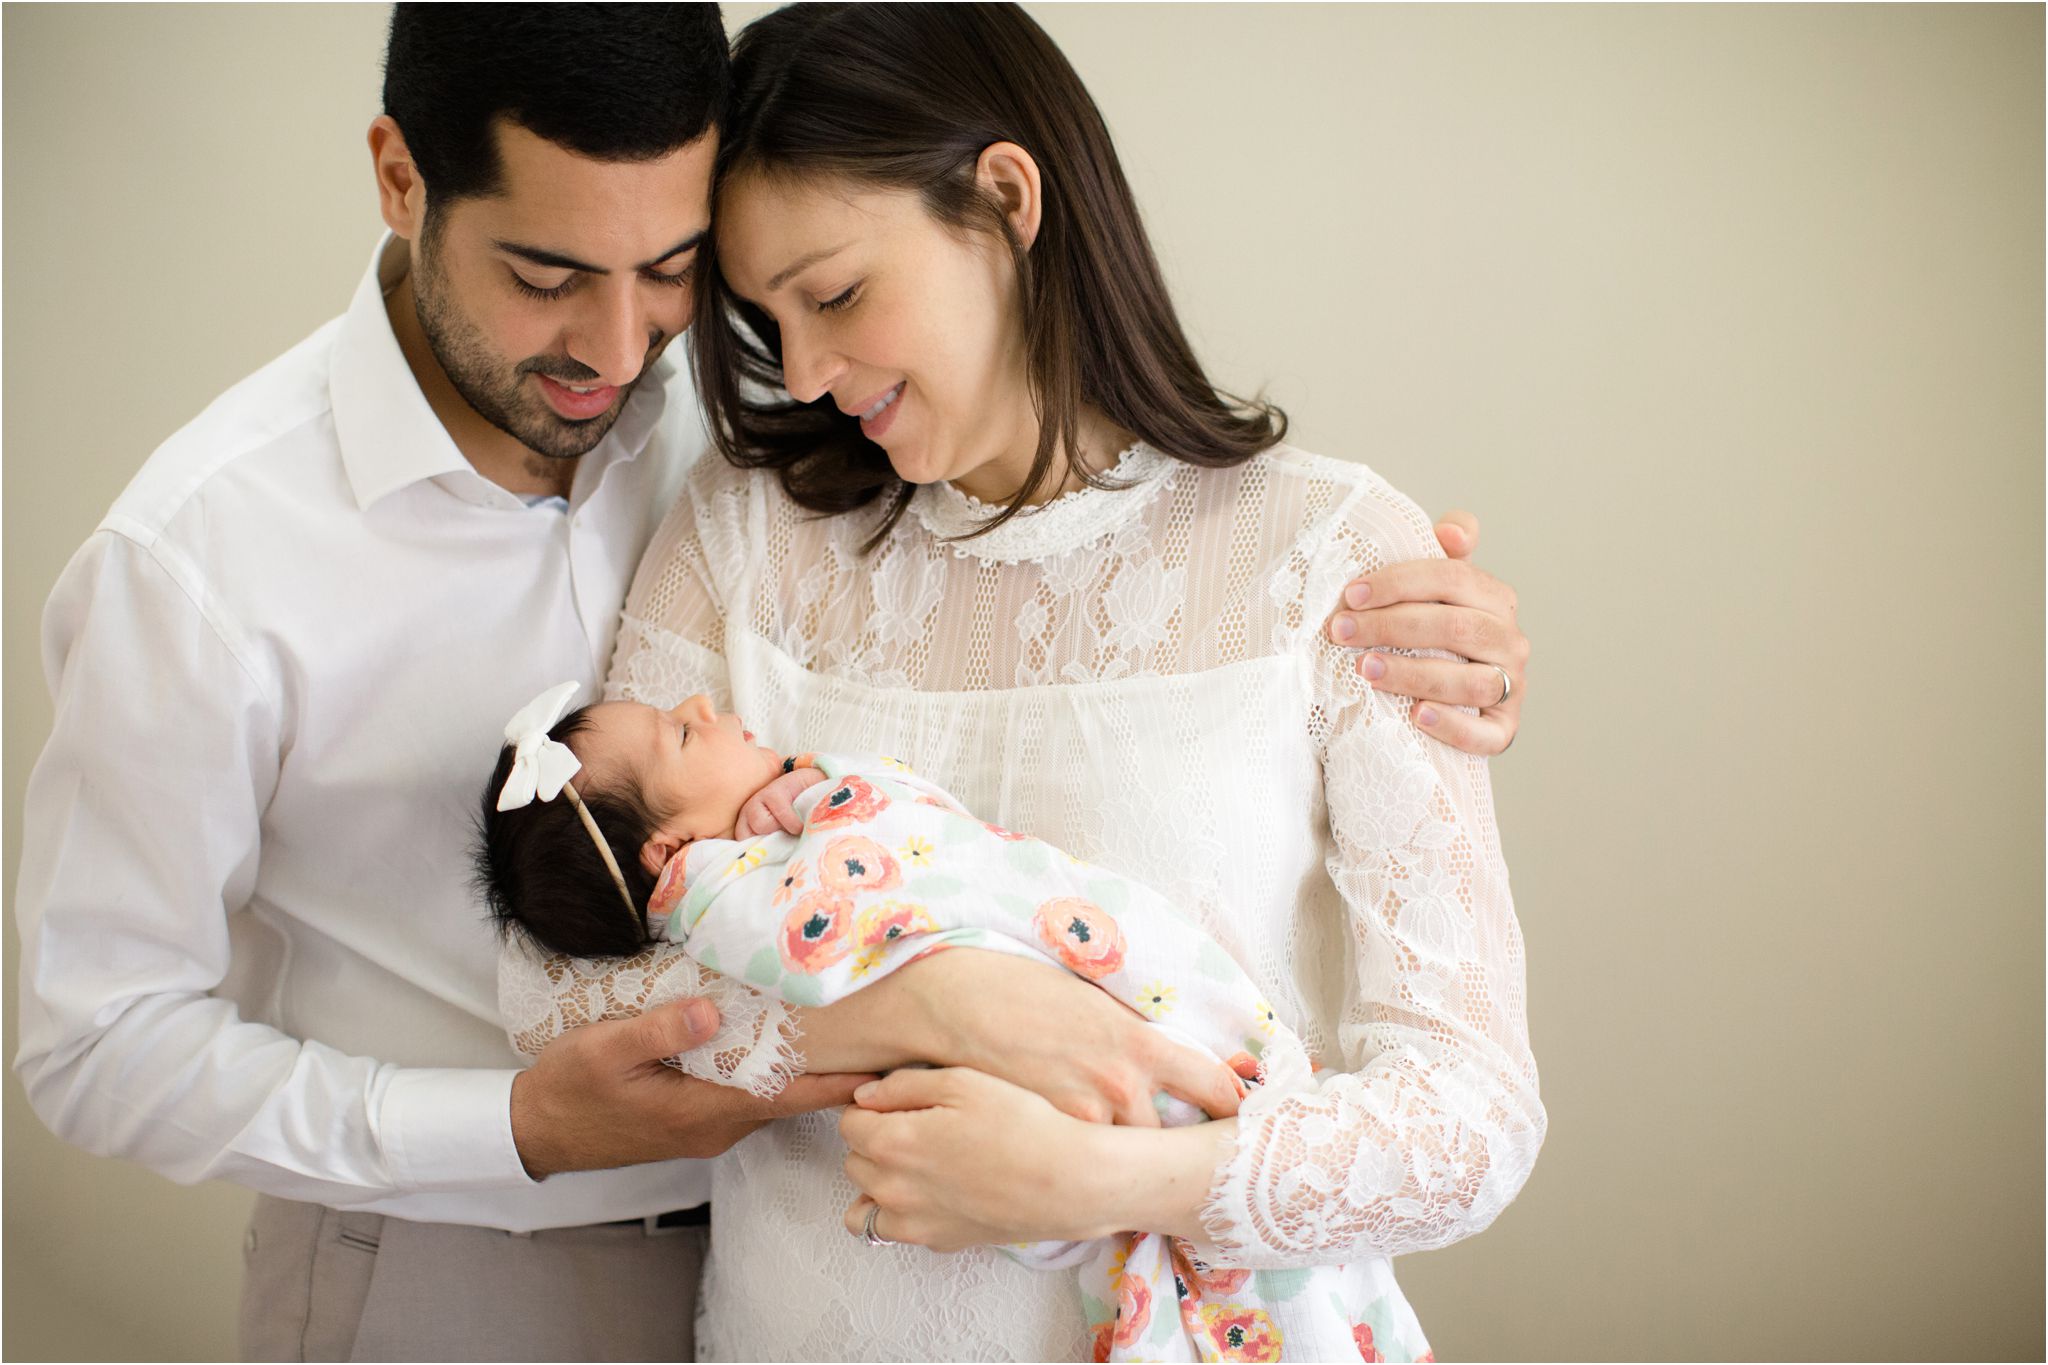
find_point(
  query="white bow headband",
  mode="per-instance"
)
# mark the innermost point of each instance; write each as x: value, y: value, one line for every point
x: 542, y: 767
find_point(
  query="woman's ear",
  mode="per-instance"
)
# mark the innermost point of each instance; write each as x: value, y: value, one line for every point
x: 659, y: 848
x: 1008, y: 172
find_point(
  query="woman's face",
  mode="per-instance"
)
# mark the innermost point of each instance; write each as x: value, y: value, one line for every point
x: 909, y: 325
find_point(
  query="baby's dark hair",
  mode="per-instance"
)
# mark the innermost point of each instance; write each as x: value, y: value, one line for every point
x: 539, y: 871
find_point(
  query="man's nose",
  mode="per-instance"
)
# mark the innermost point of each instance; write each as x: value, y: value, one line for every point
x: 809, y: 370
x: 614, y: 336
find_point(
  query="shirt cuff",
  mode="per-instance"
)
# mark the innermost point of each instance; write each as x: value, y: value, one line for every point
x: 447, y: 1130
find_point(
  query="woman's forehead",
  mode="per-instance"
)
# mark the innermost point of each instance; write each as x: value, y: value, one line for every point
x: 767, y: 224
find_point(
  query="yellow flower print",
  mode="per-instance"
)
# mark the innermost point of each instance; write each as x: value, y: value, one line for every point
x: 748, y: 861
x: 916, y: 852
x: 1156, y: 1000
x: 898, y: 764
x: 1264, y: 1013
x: 865, y: 962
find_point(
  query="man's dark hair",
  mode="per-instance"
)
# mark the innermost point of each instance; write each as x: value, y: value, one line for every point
x: 539, y: 871
x: 609, y: 82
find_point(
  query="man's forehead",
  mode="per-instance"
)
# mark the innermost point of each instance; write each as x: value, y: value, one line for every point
x: 615, y: 214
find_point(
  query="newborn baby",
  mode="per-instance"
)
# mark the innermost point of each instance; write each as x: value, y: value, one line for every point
x: 813, y: 875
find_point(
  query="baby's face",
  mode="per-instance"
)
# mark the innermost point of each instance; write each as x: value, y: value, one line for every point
x: 693, y: 767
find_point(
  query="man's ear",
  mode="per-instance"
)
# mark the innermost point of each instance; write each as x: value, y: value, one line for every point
x: 1008, y: 172
x: 401, y: 194
x: 659, y: 848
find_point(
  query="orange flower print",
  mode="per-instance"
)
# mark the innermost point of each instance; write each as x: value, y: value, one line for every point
x: 669, y: 888
x: 817, y: 933
x: 1082, y: 935
x: 793, y: 878
x: 851, y: 801
x: 1191, y: 1276
x: 1103, y: 1336
x: 1002, y: 833
x: 1133, y: 1309
x: 855, y: 863
x: 1241, y: 1333
x: 1362, y: 1335
x: 889, y: 921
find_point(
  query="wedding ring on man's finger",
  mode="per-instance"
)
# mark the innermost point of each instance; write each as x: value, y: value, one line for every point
x: 1507, y: 685
x: 874, y: 1239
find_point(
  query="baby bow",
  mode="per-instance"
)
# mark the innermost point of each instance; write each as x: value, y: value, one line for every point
x: 540, y: 766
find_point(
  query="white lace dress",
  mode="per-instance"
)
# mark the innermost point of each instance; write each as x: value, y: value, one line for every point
x: 1137, y: 676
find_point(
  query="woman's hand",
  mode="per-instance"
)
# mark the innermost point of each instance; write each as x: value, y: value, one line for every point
x: 956, y: 1158
x: 1446, y: 604
x: 1030, y: 1023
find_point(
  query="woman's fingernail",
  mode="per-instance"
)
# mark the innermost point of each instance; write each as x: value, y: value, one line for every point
x: 1357, y: 595
x: 1426, y: 716
x: 1342, y: 629
x: 862, y: 1092
x: 1374, y: 667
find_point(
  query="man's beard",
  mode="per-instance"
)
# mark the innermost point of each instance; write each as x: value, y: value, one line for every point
x: 500, y: 395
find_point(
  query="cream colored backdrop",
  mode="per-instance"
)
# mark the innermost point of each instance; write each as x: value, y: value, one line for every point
x: 1727, y: 322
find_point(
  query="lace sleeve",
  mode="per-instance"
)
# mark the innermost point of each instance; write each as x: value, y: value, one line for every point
x: 543, y: 995
x: 1433, y: 1123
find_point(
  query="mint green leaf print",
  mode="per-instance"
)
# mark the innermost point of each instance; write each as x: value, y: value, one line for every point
x: 956, y: 829
x: 764, y: 968
x: 805, y: 991
x: 935, y: 886
x: 1028, y: 856
x: 1011, y: 904
x: 1277, y: 1286
x: 1096, y: 1309
x: 1108, y: 892
x: 708, y: 959
x: 1166, y: 1321
x: 1214, y: 963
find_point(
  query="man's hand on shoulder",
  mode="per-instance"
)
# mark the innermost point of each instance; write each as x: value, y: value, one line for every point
x: 599, y: 1096
x: 1448, y: 604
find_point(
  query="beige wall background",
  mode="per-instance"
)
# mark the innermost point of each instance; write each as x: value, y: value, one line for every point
x: 1726, y: 321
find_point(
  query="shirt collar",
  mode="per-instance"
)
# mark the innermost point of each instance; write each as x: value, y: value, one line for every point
x: 389, y: 435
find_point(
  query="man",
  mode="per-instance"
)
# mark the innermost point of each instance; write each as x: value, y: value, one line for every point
x: 249, y: 947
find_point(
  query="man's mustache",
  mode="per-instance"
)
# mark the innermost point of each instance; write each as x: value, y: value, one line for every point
x: 564, y: 370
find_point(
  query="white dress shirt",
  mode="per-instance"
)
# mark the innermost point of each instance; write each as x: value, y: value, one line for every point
x: 281, y: 666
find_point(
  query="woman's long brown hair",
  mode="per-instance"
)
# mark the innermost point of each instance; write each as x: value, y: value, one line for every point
x: 906, y: 96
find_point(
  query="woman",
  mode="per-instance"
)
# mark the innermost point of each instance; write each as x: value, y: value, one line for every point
x: 1068, y: 581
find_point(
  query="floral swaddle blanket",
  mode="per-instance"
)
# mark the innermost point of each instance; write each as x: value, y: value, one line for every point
x: 888, y: 868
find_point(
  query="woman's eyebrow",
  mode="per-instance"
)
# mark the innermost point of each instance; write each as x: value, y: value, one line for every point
x: 804, y: 262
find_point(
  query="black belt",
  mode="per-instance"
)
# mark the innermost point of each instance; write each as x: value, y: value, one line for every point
x: 675, y: 1220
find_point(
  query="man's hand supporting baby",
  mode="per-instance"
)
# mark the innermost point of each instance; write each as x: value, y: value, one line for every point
x: 599, y: 1096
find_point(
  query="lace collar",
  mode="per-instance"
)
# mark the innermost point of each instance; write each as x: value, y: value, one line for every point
x: 1068, y: 522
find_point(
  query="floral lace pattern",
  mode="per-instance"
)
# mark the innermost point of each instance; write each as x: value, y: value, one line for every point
x: 543, y: 995
x: 1139, y: 679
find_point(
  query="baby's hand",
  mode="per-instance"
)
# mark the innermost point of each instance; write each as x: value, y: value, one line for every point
x: 771, y: 808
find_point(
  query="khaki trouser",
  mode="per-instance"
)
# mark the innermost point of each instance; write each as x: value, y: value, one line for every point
x: 324, y: 1285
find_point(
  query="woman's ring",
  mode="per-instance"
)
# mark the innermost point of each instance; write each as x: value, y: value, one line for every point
x: 873, y: 1238
x: 1507, y: 684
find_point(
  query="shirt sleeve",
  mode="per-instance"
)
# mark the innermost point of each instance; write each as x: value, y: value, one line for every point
x: 141, y: 836
x: 1432, y: 1123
